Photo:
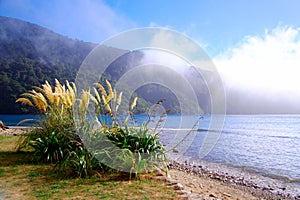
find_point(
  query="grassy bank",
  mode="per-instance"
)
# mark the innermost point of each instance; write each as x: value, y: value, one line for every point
x: 21, y: 178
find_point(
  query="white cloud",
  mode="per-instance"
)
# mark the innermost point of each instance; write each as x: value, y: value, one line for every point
x: 91, y: 18
x: 271, y: 62
x: 165, y: 58
x: 153, y: 24
x: 183, y: 46
x: 264, y: 67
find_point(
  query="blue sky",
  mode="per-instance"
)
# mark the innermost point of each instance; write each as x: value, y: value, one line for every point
x: 255, y: 44
x: 217, y: 25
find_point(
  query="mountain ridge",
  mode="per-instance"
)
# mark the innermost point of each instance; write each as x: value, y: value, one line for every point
x: 30, y: 55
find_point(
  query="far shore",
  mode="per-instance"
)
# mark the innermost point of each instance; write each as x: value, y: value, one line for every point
x: 196, y: 181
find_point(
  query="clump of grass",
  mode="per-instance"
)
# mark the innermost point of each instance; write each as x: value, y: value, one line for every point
x: 66, y: 124
x: 135, y: 149
x: 55, y: 140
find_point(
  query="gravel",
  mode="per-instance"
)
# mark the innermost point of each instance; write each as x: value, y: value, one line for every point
x: 256, y: 186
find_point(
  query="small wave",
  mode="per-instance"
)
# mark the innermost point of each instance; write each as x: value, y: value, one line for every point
x: 284, y: 137
x: 178, y: 129
x: 264, y: 173
x: 282, y: 178
x: 207, y: 129
x: 251, y: 132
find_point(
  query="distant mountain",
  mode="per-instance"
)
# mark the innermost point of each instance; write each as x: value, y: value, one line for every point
x: 31, y: 54
x: 23, y: 39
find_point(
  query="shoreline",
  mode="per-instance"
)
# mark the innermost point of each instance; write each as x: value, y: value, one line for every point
x: 221, y: 179
x: 15, y: 130
x: 240, y: 181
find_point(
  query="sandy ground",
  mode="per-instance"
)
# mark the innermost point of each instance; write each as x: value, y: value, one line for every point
x: 195, y: 187
x: 201, y: 182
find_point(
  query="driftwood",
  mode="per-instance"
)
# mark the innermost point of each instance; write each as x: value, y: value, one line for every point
x: 2, y: 126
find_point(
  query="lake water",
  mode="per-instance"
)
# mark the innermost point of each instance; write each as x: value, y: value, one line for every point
x: 13, y: 120
x: 266, y: 144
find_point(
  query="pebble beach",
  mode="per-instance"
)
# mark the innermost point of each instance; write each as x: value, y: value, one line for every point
x: 199, y: 181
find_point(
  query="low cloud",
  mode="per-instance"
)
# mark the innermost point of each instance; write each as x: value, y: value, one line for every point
x: 261, y: 75
x: 89, y: 20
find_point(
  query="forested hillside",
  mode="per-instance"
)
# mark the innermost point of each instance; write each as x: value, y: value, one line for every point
x: 31, y: 54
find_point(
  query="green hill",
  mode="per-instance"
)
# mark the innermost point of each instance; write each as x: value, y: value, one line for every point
x: 31, y: 54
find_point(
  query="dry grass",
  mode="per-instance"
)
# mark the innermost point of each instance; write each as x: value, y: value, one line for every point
x: 7, y: 143
x: 20, y: 178
x: 45, y: 99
